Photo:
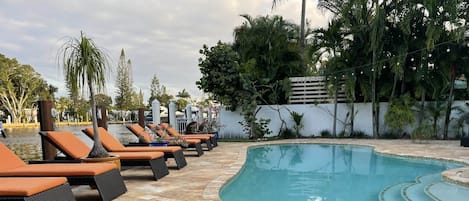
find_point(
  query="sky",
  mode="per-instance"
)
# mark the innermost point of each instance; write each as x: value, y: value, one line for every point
x: 160, y: 37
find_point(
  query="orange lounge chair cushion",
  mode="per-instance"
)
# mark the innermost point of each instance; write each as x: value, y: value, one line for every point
x: 109, y: 142
x: 138, y: 130
x: 174, y: 132
x: 76, y: 149
x: 59, y: 169
x: 69, y: 143
x: 9, y: 160
x: 21, y: 186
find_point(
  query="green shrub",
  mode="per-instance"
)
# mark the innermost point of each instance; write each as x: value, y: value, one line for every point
x: 325, y: 133
x: 422, y: 133
x: 358, y: 134
x: 287, y: 134
x: 390, y: 135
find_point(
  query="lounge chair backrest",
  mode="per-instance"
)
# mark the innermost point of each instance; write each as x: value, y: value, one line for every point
x: 67, y: 142
x: 139, y: 131
x: 109, y: 142
x: 170, y: 130
x: 9, y: 160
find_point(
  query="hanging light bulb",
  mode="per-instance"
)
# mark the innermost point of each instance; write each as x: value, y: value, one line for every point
x: 361, y: 72
x: 412, y: 59
x: 372, y: 70
x: 448, y: 50
x: 429, y: 55
x: 384, y: 67
x: 414, y: 68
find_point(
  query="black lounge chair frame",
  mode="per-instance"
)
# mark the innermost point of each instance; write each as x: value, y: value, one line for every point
x: 197, y: 146
x: 177, y: 155
x: 61, y: 192
x: 157, y: 165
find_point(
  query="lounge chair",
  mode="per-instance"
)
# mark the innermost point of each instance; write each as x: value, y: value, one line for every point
x: 113, y: 145
x: 204, y: 137
x: 105, y: 177
x: 74, y: 149
x: 35, y: 189
x: 140, y: 132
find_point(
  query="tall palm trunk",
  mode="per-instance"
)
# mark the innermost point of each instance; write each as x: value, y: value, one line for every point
x: 97, y: 151
x: 302, y: 29
x: 450, y: 103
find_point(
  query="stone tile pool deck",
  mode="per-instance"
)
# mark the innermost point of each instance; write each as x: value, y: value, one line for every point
x: 203, y: 177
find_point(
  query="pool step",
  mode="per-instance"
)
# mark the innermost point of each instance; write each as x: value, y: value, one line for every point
x: 393, y: 192
x: 416, y: 191
x: 442, y: 191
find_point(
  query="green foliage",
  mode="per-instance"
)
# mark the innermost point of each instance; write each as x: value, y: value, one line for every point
x: 20, y: 87
x: 358, y: 134
x: 297, y: 118
x: 257, y: 129
x: 287, y: 133
x: 221, y: 75
x: 325, y: 133
x: 269, y: 54
x: 400, y: 113
x: 103, y: 100
x: 422, y: 133
x: 125, y: 92
x: 86, y: 64
x: 390, y: 135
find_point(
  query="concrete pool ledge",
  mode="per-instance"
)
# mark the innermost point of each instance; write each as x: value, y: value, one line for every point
x: 204, y: 176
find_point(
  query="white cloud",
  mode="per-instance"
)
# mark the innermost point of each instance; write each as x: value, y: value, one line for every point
x: 160, y: 37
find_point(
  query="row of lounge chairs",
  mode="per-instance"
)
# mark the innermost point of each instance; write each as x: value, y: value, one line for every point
x: 51, y: 180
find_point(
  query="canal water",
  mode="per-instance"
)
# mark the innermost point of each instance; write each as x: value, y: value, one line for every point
x: 26, y: 142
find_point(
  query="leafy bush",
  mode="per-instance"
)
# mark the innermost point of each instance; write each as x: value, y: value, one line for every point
x: 423, y: 132
x: 358, y: 134
x: 390, y: 135
x: 325, y: 133
x: 297, y: 118
x: 287, y: 134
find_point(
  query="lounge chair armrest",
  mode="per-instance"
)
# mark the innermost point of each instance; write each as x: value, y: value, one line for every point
x: 53, y: 161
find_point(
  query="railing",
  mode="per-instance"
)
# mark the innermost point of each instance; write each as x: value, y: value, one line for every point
x: 181, y: 124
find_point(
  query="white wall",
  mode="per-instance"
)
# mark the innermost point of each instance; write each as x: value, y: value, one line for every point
x: 316, y: 118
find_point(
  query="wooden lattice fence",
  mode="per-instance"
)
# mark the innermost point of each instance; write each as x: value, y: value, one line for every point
x: 311, y: 90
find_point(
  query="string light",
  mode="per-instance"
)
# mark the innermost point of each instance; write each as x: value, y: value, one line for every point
x: 388, y: 59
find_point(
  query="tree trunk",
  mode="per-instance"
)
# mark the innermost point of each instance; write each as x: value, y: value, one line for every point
x: 302, y: 31
x: 422, y: 108
x: 334, y: 129
x: 450, y: 103
x: 97, y: 151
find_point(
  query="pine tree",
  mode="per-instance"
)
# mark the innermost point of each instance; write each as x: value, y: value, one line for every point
x: 124, y: 84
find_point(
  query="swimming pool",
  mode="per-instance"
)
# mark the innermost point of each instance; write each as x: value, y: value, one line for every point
x: 320, y: 172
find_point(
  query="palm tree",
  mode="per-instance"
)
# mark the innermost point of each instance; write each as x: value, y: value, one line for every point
x: 303, y: 21
x: 85, y: 64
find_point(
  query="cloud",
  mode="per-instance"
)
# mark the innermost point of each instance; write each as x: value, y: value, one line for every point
x: 160, y: 37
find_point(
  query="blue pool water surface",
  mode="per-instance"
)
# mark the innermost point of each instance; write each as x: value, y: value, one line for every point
x: 323, y: 172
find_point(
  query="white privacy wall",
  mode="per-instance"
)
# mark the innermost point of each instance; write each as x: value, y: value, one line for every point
x: 316, y: 118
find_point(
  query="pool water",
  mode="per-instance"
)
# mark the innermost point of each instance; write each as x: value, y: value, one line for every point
x: 324, y: 172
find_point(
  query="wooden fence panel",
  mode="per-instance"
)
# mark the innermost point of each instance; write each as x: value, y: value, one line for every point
x: 313, y: 90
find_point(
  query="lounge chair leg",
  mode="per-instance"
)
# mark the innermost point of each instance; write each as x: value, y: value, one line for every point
x: 198, y: 148
x: 159, y: 168
x: 110, y: 185
x: 209, y: 144
x: 180, y: 159
x: 214, y: 141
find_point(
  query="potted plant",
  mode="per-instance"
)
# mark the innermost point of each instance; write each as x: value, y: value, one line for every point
x: 85, y: 64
